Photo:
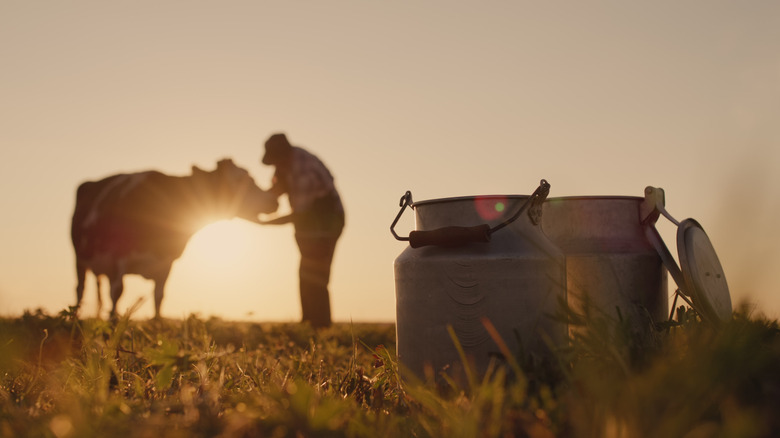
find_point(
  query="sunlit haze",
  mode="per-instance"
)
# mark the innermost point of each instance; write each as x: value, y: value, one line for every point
x: 441, y: 98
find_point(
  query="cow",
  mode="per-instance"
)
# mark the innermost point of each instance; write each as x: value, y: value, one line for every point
x: 139, y: 223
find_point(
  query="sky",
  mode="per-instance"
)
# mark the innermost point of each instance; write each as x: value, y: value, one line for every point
x: 442, y: 98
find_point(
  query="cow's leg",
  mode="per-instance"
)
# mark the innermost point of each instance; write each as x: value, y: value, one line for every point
x: 117, y: 287
x: 81, y: 275
x: 159, y: 289
x: 99, y: 296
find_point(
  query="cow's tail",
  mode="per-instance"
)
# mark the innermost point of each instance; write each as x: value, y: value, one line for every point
x: 76, y: 235
x: 84, y: 197
x: 81, y: 276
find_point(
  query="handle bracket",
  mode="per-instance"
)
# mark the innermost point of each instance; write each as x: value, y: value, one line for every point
x: 406, y: 200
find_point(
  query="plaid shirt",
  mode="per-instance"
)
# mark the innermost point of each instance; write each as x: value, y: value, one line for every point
x: 306, y: 180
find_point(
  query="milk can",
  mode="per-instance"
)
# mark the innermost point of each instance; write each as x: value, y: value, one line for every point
x: 610, y: 263
x: 473, y: 262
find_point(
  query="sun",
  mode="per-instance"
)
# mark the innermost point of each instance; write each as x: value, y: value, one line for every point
x: 222, y: 244
x: 239, y: 248
x: 236, y: 269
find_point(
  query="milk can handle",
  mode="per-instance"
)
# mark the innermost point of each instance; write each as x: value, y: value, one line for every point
x: 406, y: 200
x: 456, y: 236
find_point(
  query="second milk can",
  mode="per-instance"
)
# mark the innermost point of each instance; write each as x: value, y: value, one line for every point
x: 610, y: 263
x: 476, y: 261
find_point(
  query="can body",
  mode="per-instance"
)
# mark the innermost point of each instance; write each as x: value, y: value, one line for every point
x: 516, y: 281
x: 610, y: 264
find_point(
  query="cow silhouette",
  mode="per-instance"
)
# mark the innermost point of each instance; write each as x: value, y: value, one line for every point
x: 139, y: 223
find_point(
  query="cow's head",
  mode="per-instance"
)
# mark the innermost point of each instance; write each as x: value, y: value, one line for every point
x: 233, y: 192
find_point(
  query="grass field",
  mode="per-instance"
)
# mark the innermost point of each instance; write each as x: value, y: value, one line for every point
x: 60, y: 377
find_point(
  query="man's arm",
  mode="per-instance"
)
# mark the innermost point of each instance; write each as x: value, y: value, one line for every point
x: 281, y: 220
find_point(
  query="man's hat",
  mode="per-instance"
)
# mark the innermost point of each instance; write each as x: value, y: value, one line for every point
x: 276, y: 147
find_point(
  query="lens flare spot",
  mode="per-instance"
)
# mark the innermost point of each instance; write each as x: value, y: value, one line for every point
x: 490, y: 207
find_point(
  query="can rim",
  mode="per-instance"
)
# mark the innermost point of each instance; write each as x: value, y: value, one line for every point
x: 594, y: 197
x: 467, y: 198
x: 515, y: 196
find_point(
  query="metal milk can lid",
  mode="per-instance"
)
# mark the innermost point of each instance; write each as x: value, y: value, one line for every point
x: 700, y: 275
x: 702, y: 271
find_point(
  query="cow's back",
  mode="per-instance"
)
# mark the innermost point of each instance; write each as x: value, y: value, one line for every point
x: 88, y: 204
x: 139, y: 212
x: 103, y: 209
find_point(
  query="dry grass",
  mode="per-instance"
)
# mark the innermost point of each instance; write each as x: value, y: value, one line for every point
x: 67, y: 378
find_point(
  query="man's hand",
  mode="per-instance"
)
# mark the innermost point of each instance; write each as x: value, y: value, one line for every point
x: 281, y: 220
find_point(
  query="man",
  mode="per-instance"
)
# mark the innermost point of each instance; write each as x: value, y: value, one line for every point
x: 318, y: 217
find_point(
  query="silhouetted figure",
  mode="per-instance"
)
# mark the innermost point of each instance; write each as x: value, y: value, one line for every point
x: 318, y: 217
